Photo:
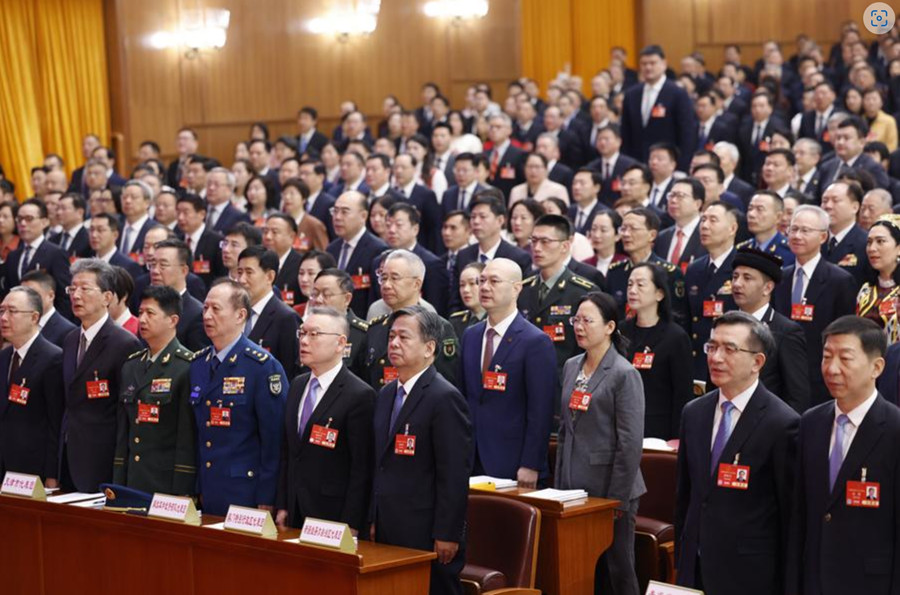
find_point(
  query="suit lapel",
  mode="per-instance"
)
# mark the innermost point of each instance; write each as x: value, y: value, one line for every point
x: 327, y: 401
x: 867, y: 436
x: 746, y: 424
x: 265, y: 321
x: 409, y: 405
x: 507, y: 343
x: 817, y: 282
x: 95, y: 348
x: 5, y: 360
x: 704, y: 448
x: 594, y: 381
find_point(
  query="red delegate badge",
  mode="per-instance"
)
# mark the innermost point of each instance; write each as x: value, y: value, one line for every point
x: 643, y: 360
x: 733, y: 476
x: 18, y: 394
x: 863, y: 494
x: 713, y: 308
x: 405, y: 444
x: 579, y: 400
x: 202, y: 267
x: 361, y: 281
x: 494, y: 381
x: 389, y: 374
x: 98, y: 389
x: 148, y: 413
x: 323, y: 436
x: 802, y: 312
x: 287, y: 297
x: 556, y: 332
x: 220, y: 417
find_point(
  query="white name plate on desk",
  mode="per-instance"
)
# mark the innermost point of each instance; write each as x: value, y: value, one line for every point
x: 174, y: 508
x: 655, y: 588
x: 22, y: 485
x: 250, y: 520
x: 327, y: 534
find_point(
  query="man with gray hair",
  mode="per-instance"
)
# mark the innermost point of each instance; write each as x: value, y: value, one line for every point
x: 401, y: 277
x: 31, y: 413
x: 875, y: 203
x: 93, y: 356
x: 729, y: 157
x: 813, y: 291
x: 506, y: 163
x: 136, y: 199
x: 221, y: 215
x: 807, y: 153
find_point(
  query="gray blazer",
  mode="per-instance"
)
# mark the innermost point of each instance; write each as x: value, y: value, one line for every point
x: 600, y: 449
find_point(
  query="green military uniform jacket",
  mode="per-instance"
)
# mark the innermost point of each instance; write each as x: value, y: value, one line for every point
x: 462, y: 320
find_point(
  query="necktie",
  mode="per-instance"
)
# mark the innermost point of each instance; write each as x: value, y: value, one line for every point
x: 757, y: 134
x: 66, y: 240
x: 495, y: 163
x: 646, y: 105
x: 345, y: 252
x: 488, y: 349
x: 722, y: 435
x: 594, y: 133
x: 606, y: 170
x: 841, y: 170
x: 832, y: 244
x: 653, y: 196
x: 126, y: 239
x: 398, y: 405
x: 26, y: 260
x: 543, y: 290
x: 303, y: 143
x: 701, y: 136
x: 462, y: 199
x: 819, y: 121
x: 797, y: 293
x: 248, y: 326
x: 451, y: 261
x: 212, y: 218
x: 679, y: 246
x: 483, y: 258
x: 190, y: 243
x: 82, y: 348
x: 837, y: 451
x: 309, y: 404
x: 579, y: 223
x: 13, y: 368
x: 439, y: 164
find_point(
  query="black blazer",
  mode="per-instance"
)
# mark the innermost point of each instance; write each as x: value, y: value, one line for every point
x: 469, y: 254
x: 56, y: 329
x: 276, y: 332
x: 889, y: 381
x: 190, y: 330
x: 430, y: 212
x: 828, y: 169
x: 361, y: 262
x: 753, y: 155
x: 80, y: 247
x: 89, y: 426
x: 786, y: 371
x: 742, y: 190
x: 610, y: 190
x: 208, y: 249
x: 562, y: 174
x: 321, y: 210
x: 29, y: 433
x: 131, y: 267
x: 678, y: 124
x: 839, y: 548
x: 450, y: 200
x: 724, y: 128
x: 833, y: 292
x: 850, y: 255
x: 314, y: 146
x: 343, y: 473
x: 528, y: 138
x: 571, y: 149
x: 49, y: 258
x: 286, y: 279
x: 230, y: 216
x: 138, y: 245
x: 585, y: 228
x: 691, y: 251
x: 734, y: 528
x: 512, y: 161
x: 422, y: 498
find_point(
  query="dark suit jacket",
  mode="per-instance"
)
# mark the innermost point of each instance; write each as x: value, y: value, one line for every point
x: 360, y: 263
x: 527, y: 138
x: 80, y: 247
x: 786, y: 371
x: 49, y: 258
x: 469, y: 254
x: 512, y: 161
x: 733, y: 528
x: 208, y: 249
x: 839, y: 548
x: 833, y: 292
x: 451, y: 197
x: 828, y: 170
x: 286, y: 280
x: 691, y: 250
x: 571, y: 149
x: 811, y: 189
x: 89, y: 425
x: 131, y: 267
x: 585, y: 228
x: 808, y: 128
x: 29, y: 433
x: 422, y: 498
x: 677, y: 125
x: 343, y: 473
x: 562, y: 174
x: 889, y: 381
x: 753, y: 155
x: 512, y: 427
x: 610, y: 190
x: 724, y: 128
x: 315, y: 144
x: 56, y: 329
x: 190, y: 330
x: 231, y: 215
x: 430, y: 212
x: 742, y: 189
x: 276, y: 332
x: 321, y: 210
x: 850, y: 255
x: 137, y: 245
x: 194, y: 284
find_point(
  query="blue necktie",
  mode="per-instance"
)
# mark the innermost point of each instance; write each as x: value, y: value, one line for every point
x: 483, y: 258
x: 797, y: 293
x: 308, y: 405
x: 836, y: 459
x: 26, y: 260
x: 398, y: 404
x: 345, y: 251
x: 722, y: 435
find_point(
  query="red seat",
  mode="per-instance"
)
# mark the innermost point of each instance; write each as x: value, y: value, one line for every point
x: 654, y: 543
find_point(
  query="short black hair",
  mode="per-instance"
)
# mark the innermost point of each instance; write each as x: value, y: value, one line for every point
x: 168, y: 299
x: 325, y: 260
x: 344, y: 279
x: 195, y: 201
x: 404, y: 207
x: 384, y: 159
x: 251, y: 234
x: 786, y: 153
x: 669, y: 148
x: 596, y: 177
x: 42, y: 207
x: 457, y: 213
x: 124, y: 283
x: 111, y: 219
x: 870, y: 335
x: 268, y: 260
x: 649, y: 215
x: 558, y: 222
x: 645, y: 172
x: 698, y: 190
x: 41, y: 277
x: 856, y: 123
x: 255, y: 141
x: 720, y: 173
x: 154, y: 146
x: 309, y: 111
x: 292, y: 223
x: 653, y: 50
x: 491, y: 197
x: 761, y: 339
x: 298, y: 185
x: 182, y: 252
x: 612, y: 127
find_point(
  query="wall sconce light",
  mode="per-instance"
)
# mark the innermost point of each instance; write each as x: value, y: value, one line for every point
x: 457, y: 10
x: 202, y: 29
x: 361, y: 19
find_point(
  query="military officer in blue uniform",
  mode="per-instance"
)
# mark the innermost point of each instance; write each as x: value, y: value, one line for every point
x: 238, y: 394
x: 763, y: 214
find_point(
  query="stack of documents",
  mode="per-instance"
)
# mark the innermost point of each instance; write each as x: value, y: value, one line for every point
x: 558, y: 495
x: 500, y: 484
x: 79, y: 499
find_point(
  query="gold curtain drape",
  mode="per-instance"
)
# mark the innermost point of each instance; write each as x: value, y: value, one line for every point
x: 576, y: 34
x: 54, y: 89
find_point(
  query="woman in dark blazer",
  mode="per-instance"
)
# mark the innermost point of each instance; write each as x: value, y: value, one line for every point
x: 659, y: 349
x: 601, y: 433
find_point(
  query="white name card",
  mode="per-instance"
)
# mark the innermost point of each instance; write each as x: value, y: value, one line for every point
x: 655, y: 588
x: 173, y: 508
x: 250, y: 520
x: 22, y: 485
x: 327, y: 534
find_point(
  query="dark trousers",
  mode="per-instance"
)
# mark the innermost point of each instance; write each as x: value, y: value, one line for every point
x: 614, y: 573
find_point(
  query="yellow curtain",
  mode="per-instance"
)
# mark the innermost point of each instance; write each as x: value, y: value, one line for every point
x: 577, y: 33
x: 55, y: 87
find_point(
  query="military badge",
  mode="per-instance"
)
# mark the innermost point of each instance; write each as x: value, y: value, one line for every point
x: 275, y: 384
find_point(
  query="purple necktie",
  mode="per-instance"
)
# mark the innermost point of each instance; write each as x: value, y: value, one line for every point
x: 398, y: 405
x: 308, y: 405
x: 722, y: 435
x: 837, y: 451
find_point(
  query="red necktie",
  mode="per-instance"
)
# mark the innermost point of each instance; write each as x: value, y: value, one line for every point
x: 495, y: 163
x: 679, y: 246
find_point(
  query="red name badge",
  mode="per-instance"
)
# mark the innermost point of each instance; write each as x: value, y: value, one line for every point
x: 642, y: 361
x: 556, y: 332
x: 733, y: 476
x: 18, y: 394
x: 684, y: 266
x: 616, y: 185
x: 405, y: 444
x: 73, y: 258
x: 136, y: 257
x: 302, y: 243
x: 579, y: 401
x: 713, y: 308
x: 287, y: 297
x: 323, y: 436
x: 888, y: 308
x: 508, y: 172
x: 148, y: 413
x: 220, y: 417
x: 863, y: 494
x: 202, y: 267
x: 658, y: 111
x: 361, y: 281
x: 494, y: 381
x: 802, y: 312
x: 98, y: 389
x: 389, y: 374
x: 764, y: 145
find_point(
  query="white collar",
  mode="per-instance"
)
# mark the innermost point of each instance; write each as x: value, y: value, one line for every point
x: 259, y: 306
x: 195, y: 237
x: 137, y: 225
x: 36, y: 243
x: 355, y: 239
x: 470, y: 189
x: 689, y: 227
x: 839, y: 236
x: 411, y: 383
x: 381, y: 191
x: 741, y: 399
x: 810, y: 267
x: 325, y: 379
x: 722, y: 257
x: 108, y: 256
x: 657, y: 86
x: 491, y: 252
x: 590, y: 207
x: 858, y: 413
x: 503, y: 325
x: 121, y: 320
x: 408, y: 189
x: 760, y: 313
x: 45, y: 317
x: 23, y: 350
x: 75, y: 229
x: 91, y: 331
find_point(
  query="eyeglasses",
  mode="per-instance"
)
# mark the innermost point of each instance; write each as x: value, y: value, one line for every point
x: 13, y: 311
x: 342, y: 211
x: 325, y: 295
x: 73, y: 289
x: 727, y: 348
x: 226, y: 244
x: 535, y: 241
x: 803, y: 231
x: 678, y: 195
x: 301, y: 334
x: 394, y: 279
x: 582, y: 320
x: 630, y: 228
x: 26, y: 218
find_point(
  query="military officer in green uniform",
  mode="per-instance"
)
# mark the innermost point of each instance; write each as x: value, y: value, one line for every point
x: 401, y: 284
x: 550, y: 298
x: 156, y: 436
x: 334, y: 288
x: 468, y: 292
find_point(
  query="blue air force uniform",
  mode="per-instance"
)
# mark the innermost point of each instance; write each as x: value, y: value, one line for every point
x: 239, y: 407
x: 778, y: 246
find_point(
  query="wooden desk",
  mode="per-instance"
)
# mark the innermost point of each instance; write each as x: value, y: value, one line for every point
x: 572, y: 538
x: 55, y: 548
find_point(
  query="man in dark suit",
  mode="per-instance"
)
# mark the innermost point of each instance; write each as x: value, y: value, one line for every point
x: 657, y: 111
x: 92, y: 366
x: 844, y: 530
x: 713, y: 127
x: 755, y: 134
x: 204, y: 243
x: 846, y: 245
x: 528, y: 125
x: 31, y: 380
x: 756, y: 274
x: 423, y: 453
x: 327, y: 431
x: 356, y: 248
x: 136, y: 198
x: 813, y: 292
x: 35, y: 253
x: 420, y: 197
x: 610, y: 164
x: 849, y: 142
x: 271, y: 323
x: 680, y: 243
x: 170, y: 268
x: 510, y: 398
x: 814, y: 122
x: 185, y: 145
x: 88, y: 144
x: 570, y: 148
x: 319, y: 203
x: 54, y: 327
x: 73, y: 238
x: 487, y: 221
x: 753, y: 431
x: 155, y: 235
x: 309, y: 140
x: 506, y: 163
x: 729, y: 160
x: 221, y: 215
x: 278, y: 236
x: 104, y: 235
x: 458, y: 196
x: 586, y: 205
x: 732, y: 104
x: 352, y: 174
x: 807, y: 154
